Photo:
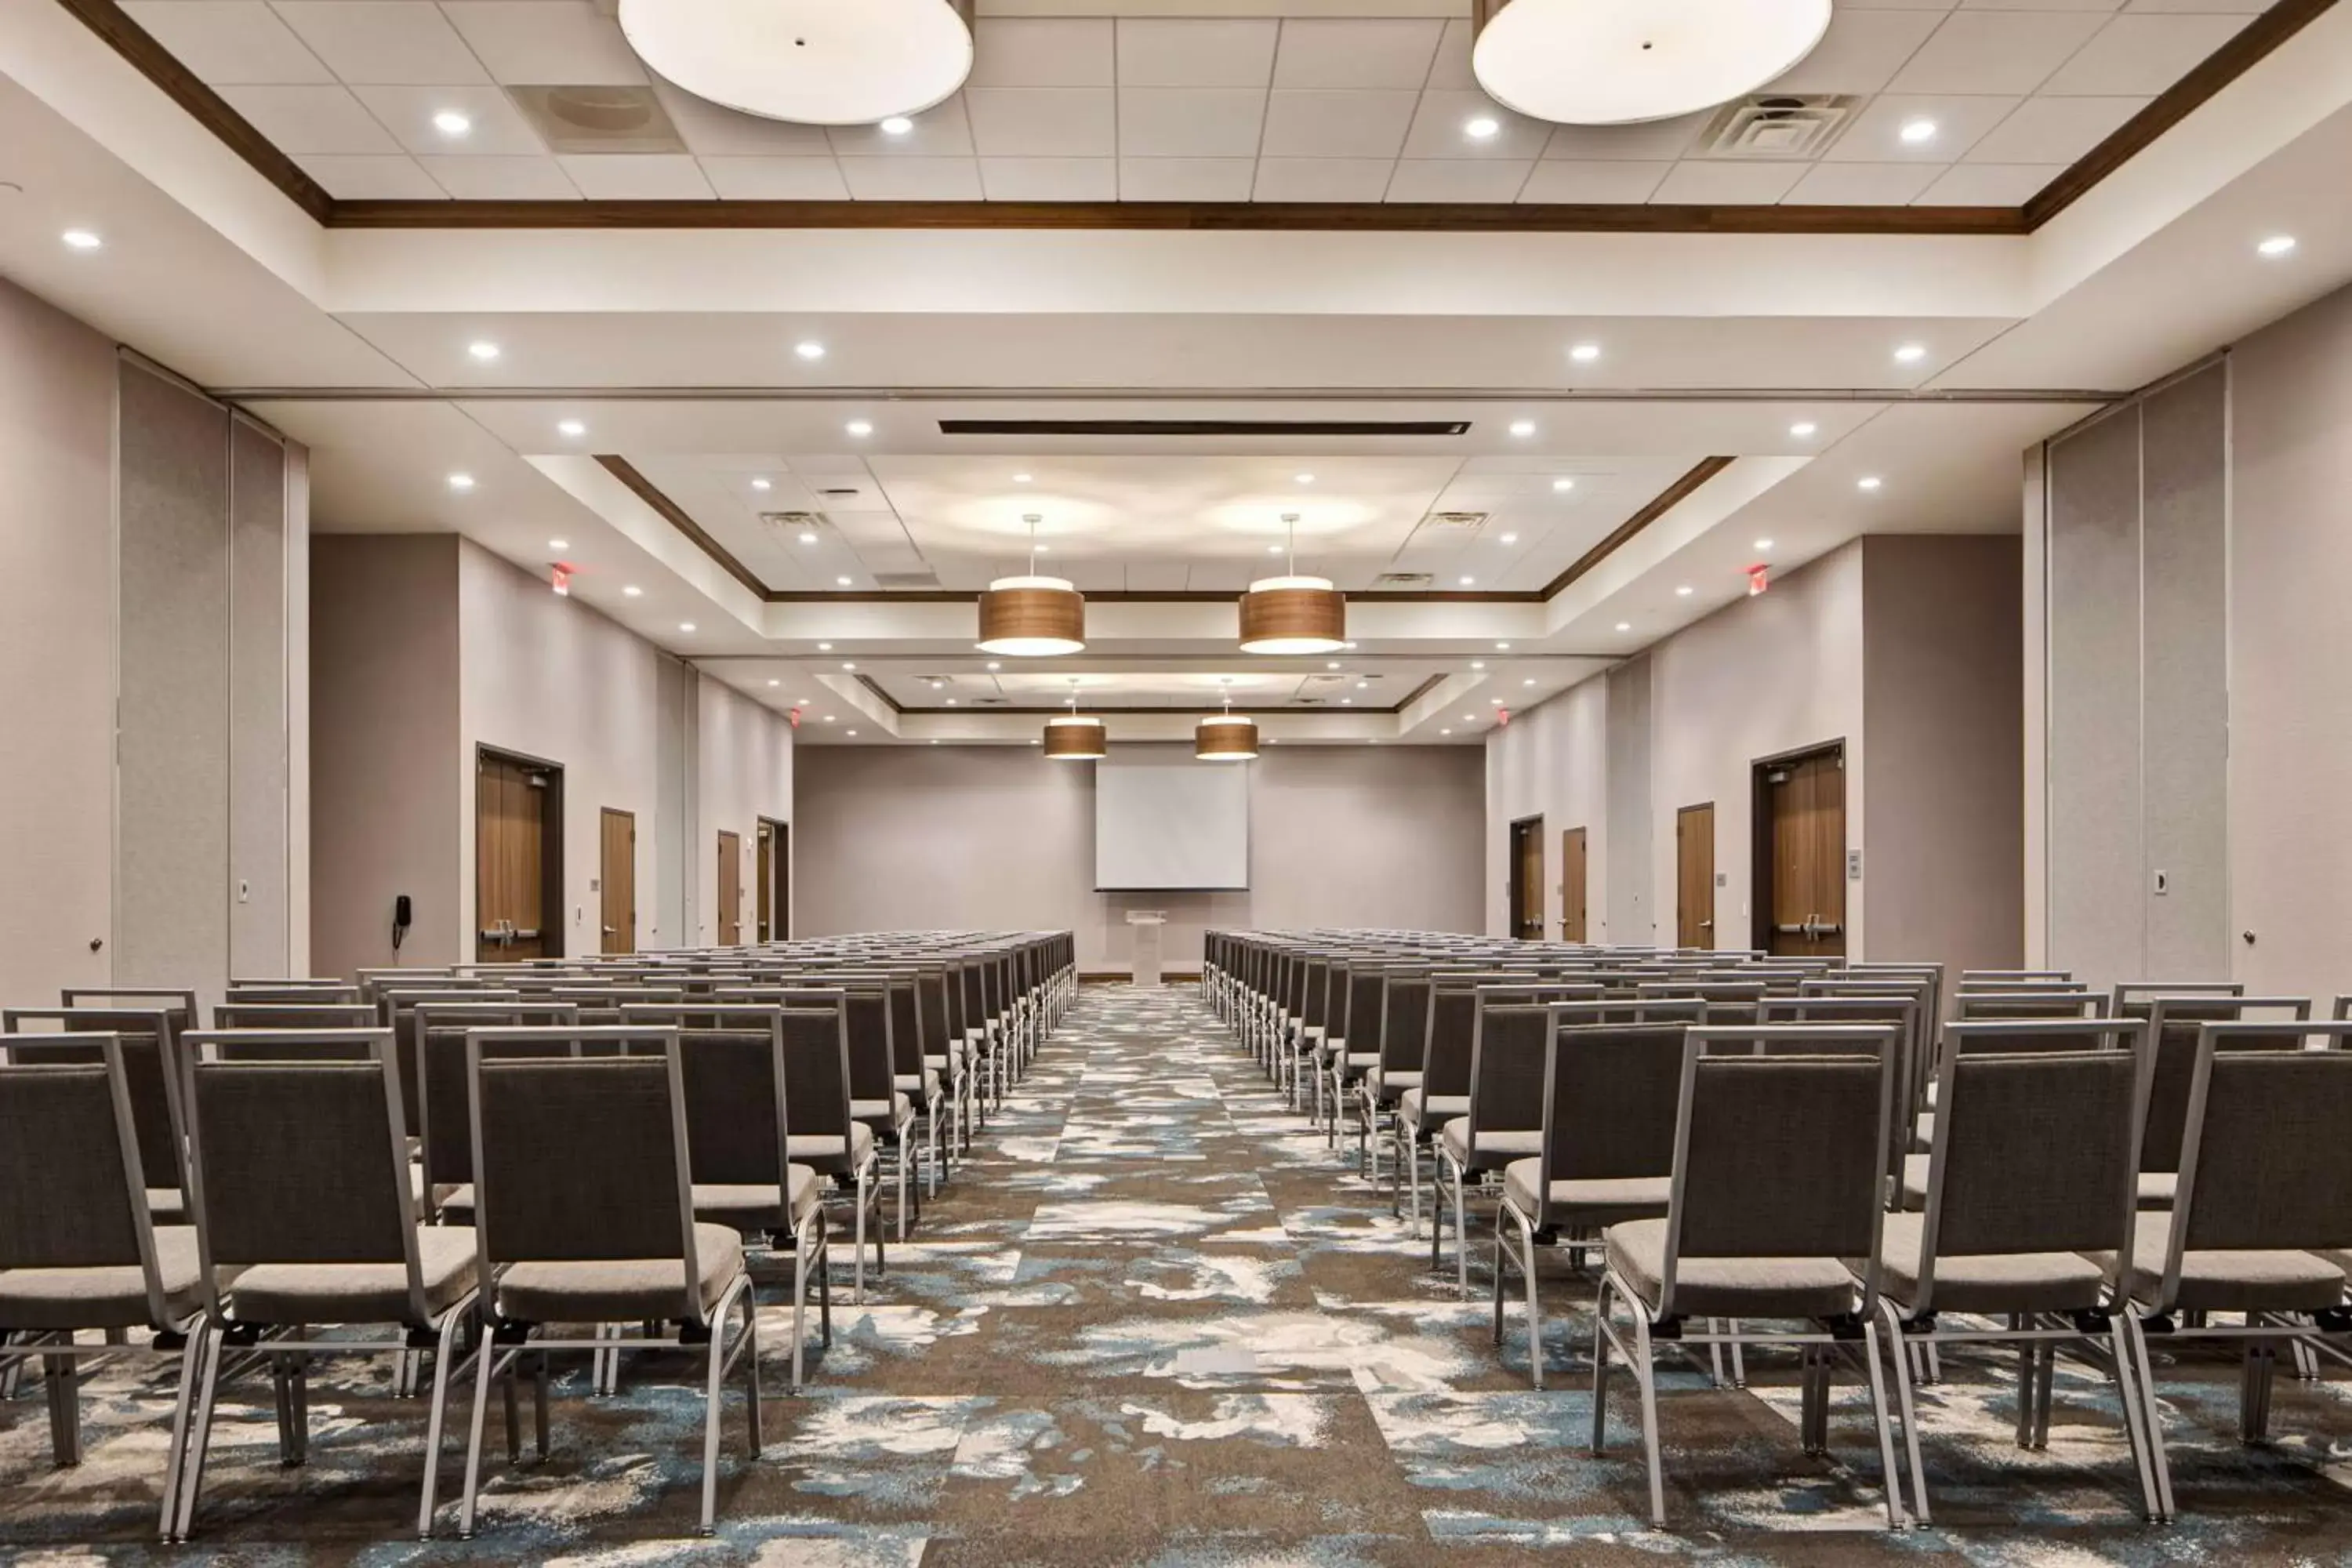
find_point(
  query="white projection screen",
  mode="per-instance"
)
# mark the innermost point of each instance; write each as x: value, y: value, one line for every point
x: 1163, y: 820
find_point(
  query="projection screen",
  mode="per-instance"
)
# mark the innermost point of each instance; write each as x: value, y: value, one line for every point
x: 1163, y: 820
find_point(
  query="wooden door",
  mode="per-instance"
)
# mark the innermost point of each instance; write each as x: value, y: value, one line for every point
x: 763, y: 896
x: 730, y: 889
x: 1571, y: 884
x: 1801, y: 853
x: 782, y: 833
x: 616, y: 875
x: 1527, y: 879
x: 510, y: 858
x: 1695, y: 875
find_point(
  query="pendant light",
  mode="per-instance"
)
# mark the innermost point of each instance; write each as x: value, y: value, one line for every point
x: 1222, y: 738
x: 1292, y: 613
x: 1616, y: 62
x: 1033, y: 617
x: 817, y: 62
x: 1075, y: 737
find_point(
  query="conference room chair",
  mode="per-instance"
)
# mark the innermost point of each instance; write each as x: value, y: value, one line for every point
x: 147, y: 1040
x: 822, y: 1133
x: 874, y: 1096
x: 2174, y: 1027
x: 2039, y: 979
x: 1442, y: 1092
x: 445, y: 1177
x: 180, y: 1006
x: 234, y: 1015
x: 80, y: 1249
x: 1778, y: 1179
x: 911, y: 1077
x: 1401, y: 1014
x: 1502, y: 1114
x: 397, y: 1002
x: 309, y: 1231
x: 585, y: 1205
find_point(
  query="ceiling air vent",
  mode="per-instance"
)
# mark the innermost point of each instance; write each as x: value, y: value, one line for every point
x: 598, y: 119
x: 1283, y: 428
x: 903, y: 580
x: 1454, y: 521
x: 1776, y: 125
x: 1403, y: 580
x: 987, y: 701
x: 793, y: 522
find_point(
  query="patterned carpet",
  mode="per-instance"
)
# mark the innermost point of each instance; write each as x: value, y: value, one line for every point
x: 1154, y: 1321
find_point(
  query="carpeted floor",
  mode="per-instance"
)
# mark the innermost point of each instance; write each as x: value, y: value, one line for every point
x: 1156, y: 1321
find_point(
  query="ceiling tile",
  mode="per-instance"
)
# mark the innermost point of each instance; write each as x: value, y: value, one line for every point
x: 1042, y: 51
x: 1863, y: 184
x: 1996, y: 51
x: 1190, y: 123
x: 394, y: 178
x: 1597, y: 182
x: 1458, y: 179
x: 1451, y: 68
x: 1194, y: 51
x: 2040, y: 4
x: 1049, y: 179
x: 1186, y: 179
x: 1647, y: 142
x: 942, y: 131
x: 565, y: 43
x: 502, y: 179
x: 1356, y: 53
x: 776, y: 179
x: 229, y: 40
x: 2240, y: 7
x: 637, y: 176
x: 1705, y: 183
x: 498, y: 127
x: 1043, y: 122
x: 2054, y: 129
x: 388, y: 41
x: 1876, y: 135
x: 1336, y: 124
x: 1989, y: 184
x: 912, y: 179
x: 1437, y: 129
x: 1860, y: 53
x: 2143, y: 55
x: 301, y: 120
x: 707, y: 128
x: 1322, y: 179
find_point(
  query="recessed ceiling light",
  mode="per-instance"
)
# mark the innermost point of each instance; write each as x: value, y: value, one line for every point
x: 993, y: 664
x: 1331, y: 664
x: 1625, y: 626
x: 1347, y: 703
x: 1445, y: 732
x: 1684, y: 591
x: 1467, y: 581
x: 1502, y: 647
x: 841, y: 582
x: 800, y: 701
x: 1510, y: 539
x: 461, y: 482
x: 1273, y: 550
x: 630, y: 590
x: 808, y: 538
x: 809, y: 349
x: 828, y: 718
x: 1020, y: 479
x: 1562, y: 485
x: 1304, y: 478
x: 559, y: 544
x: 775, y: 683
x: 825, y: 648
x: 1585, y: 353
x: 686, y: 626
x: 1362, y: 684
x: 952, y: 701
x: 1347, y: 647
x: 2276, y: 245
x: 851, y: 733
x: 1469, y: 717
x: 934, y: 742
x: 1910, y: 354
x: 1916, y: 132
x: 571, y: 427
x: 1495, y: 700
x: 449, y: 122
x: 1763, y: 544
x: 80, y: 239
x: 849, y: 666
x: 1523, y: 428
x: 1870, y: 484
x: 764, y: 484
x: 484, y: 352
x: 1482, y: 127
x: 1802, y: 428
x: 860, y: 427
x: 1477, y: 664
x: 896, y: 125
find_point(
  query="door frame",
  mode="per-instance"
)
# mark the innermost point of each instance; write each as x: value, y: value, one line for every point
x: 1523, y: 830
x: 1759, y: 835
x: 779, y: 912
x: 551, y: 846
x: 1713, y: 904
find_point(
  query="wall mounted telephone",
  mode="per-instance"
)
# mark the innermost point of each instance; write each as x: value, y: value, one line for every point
x: 402, y: 913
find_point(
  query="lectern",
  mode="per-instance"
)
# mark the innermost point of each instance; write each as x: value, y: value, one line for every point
x: 1144, y: 926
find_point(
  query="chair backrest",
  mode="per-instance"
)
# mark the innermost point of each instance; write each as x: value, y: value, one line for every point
x: 2265, y: 1164
x: 730, y: 1065
x: 301, y: 1162
x: 149, y: 1039
x: 2174, y: 1028
x: 1402, y: 1008
x: 2079, y: 1004
x: 445, y: 1129
x: 867, y: 1012
x: 180, y: 1005
x: 2047, y: 979
x: 292, y: 993
x: 2133, y: 998
x: 582, y: 1159
x: 354, y: 1044
x: 72, y: 1187
x: 906, y: 1028
x: 1508, y: 1048
x: 816, y: 1070
x: 236, y: 1015
x: 1610, y: 1098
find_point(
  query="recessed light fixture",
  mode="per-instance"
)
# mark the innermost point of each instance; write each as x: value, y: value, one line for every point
x: 1445, y: 732
x: 825, y: 648
x: 764, y: 484
x: 449, y: 122
x: 1870, y: 483
x: 686, y: 626
x: 1502, y: 647
x: 1918, y: 132
x: 1467, y: 581
x: 1763, y: 544
x: 1802, y: 428
x: 809, y: 349
x: 1362, y: 684
x: 1910, y: 354
x: 847, y: 666
x: 571, y: 427
x: 807, y: 538
x: 1510, y: 539
x: 1273, y: 550
x: 828, y: 718
x: 1584, y: 354
x: 1347, y: 703
x: 896, y: 125
x: 631, y: 591
x: 485, y: 352
x: 1020, y: 479
x: 851, y: 733
x: 1482, y: 127
x: 461, y: 482
x: 1304, y: 478
x: 1562, y: 485
x: 1469, y: 717
x: 1684, y: 591
x: 860, y: 427
x: 1477, y: 664
x: 80, y: 239
x: 1523, y: 428
x: 775, y: 683
x: 841, y: 582
x: 1530, y: 681
x: 1495, y: 700
x: 1625, y: 626
x: 993, y: 664
x: 2276, y: 245
x: 952, y: 701
x: 559, y: 546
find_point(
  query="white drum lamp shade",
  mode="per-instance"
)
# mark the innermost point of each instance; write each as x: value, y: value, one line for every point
x: 1615, y: 62
x: 817, y: 62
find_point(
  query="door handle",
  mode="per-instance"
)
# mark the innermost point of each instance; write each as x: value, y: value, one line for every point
x: 1707, y: 925
x: 612, y: 930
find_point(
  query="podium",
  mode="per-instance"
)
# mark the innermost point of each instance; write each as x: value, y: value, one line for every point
x: 1145, y: 927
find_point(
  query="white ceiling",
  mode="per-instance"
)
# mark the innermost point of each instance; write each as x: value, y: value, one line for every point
x: 1172, y: 108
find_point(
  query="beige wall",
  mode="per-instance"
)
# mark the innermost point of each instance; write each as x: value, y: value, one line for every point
x: 998, y: 836
x: 1552, y: 761
x: 743, y: 768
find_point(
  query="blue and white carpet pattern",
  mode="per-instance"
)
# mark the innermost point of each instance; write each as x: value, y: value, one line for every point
x: 1155, y: 1321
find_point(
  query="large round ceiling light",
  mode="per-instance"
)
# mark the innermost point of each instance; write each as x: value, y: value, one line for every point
x: 1075, y: 737
x: 818, y: 62
x: 1292, y: 614
x: 1612, y: 62
x: 1224, y: 739
x: 1031, y: 617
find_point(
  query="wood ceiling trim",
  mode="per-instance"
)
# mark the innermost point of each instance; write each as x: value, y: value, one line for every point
x: 1656, y: 507
x: 2248, y: 47
x: 652, y: 494
x: 1164, y: 710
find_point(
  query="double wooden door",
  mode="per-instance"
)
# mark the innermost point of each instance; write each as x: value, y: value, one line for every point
x: 1695, y: 875
x: 511, y: 813
x: 730, y: 889
x: 1572, y: 925
x: 1801, y: 850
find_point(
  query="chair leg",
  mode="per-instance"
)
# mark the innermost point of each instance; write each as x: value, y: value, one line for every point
x: 2152, y: 1416
x: 1892, y: 1477
x: 752, y: 1367
x: 1601, y: 1367
x: 858, y: 1290
x: 1906, y: 1404
x: 175, y: 1463
x: 802, y: 1245
x: 485, y: 1355
x: 2127, y: 1395
x: 201, y: 1434
x: 1645, y: 1379
x: 61, y: 1380
x: 434, y: 1420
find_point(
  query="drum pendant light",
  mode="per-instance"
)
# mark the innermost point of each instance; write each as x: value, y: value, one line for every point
x: 1616, y: 62
x: 817, y: 62
x: 1033, y: 617
x: 1222, y: 738
x: 1292, y: 613
x: 1075, y: 737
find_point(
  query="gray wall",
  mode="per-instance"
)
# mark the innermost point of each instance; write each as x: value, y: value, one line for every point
x: 896, y: 837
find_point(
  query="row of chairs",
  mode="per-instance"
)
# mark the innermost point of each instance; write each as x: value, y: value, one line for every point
x: 477, y: 1167
x: 2029, y: 1162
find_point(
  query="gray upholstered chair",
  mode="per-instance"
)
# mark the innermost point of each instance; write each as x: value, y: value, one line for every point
x: 875, y: 1098
x: 915, y: 1078
x: 1399, y: 1020
x: 1502, y: 1119
x: 147, y: 1040
x: 822, y: 1132
x: 444, y: 1122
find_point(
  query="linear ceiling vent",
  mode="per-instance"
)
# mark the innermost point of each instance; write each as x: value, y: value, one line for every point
x: 988, y: 702
x: 1454, y: 521
x: 1776, y: 125
x: 796, y: 522
x: 1281, y: 430
x: 598, y: 119
x: 903, y: 580
x: 1404, y: 580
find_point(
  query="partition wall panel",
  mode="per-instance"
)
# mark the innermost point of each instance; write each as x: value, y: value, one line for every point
x: 1631, y: 910
x: 258, y: 772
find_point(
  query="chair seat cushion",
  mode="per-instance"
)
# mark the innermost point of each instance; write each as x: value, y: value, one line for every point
x: 1729, y: 1287
x: 1386, y: 1084
x: 1990, y: 1282
x: 925, y: 1087
x: 2267, y: 1281
x: 896, y: 1110
x: 358, y: 1292
x: 1418, y: 1109
x: 752, y: 1207
x: 108, y: 1297
x: 1585, y: 1203
x: 1362, y: 1061
x: 1496, y: 1148
x: 823, y: 1151
x: 627, y: 1290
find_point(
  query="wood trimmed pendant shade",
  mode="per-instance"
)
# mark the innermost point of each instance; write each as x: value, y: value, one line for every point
x: 1075, y: 738
x: 1032, y: 616
x: 1224, y: 739
x: 1292, y: 614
